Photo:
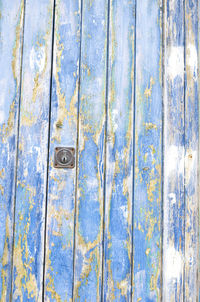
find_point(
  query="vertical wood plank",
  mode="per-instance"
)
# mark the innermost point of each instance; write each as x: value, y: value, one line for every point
x: 90, y: 178
x: 198, y: 276
x: 119, y: 155
x: 174, y: 200
x: 61, y: 193
x: 11, y: 31
x: 32, y: 157
x: 148, y: 152
x: 191, y: 151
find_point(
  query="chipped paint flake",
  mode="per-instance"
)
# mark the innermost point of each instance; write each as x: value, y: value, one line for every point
x: 175, y: 62
x: 173, y: 264
x: 37, y: 59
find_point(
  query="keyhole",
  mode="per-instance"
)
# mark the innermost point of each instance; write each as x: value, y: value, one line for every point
x: 64, y: 159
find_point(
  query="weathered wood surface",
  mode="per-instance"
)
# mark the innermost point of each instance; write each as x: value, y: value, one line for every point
x: 11, y: 32
x: 191, y: 284
x: 174, y: 123
x: 148, y: 153
x: 61, y: 182
x: 198, y: 160
x: 32, y: 153
x: 119, y: 154
x: 180, y: 248
x: 118, y: 81
x: 91, y: 141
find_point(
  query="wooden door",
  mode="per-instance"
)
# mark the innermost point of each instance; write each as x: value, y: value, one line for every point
x: 118, y: 82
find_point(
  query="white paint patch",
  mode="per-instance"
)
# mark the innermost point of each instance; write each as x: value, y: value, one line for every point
x: 115, y: 119
x: 124, y: 211
x: 25, y: 172
x: 172, y: 198
x: 175, y: 64
x: 92, y: 184
x: 191, y: 59
x: 140, y: 283
x: 41, y: 157
x: 174, y: 160
x: 2, y: 117
x: 190, y: 257
x: 190, y: 167
x: 37, y: 59
x: 99, y: 82
x: 173, y: 264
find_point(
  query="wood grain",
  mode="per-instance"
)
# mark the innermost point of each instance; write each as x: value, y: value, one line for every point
x: 123, y: 92
x: 90, y: 178
x: 174, y: 139
x: 198, y: 162
x: 148, y: 152
x: 61, y: 189
x: 11, y: 34
x: 119, y: 155
x: 191, y: 282
x: 32, y: 155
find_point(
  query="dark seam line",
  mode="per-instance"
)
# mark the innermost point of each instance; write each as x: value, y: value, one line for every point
x: 105, y: 148
x: 198, y: 157
x: 184, y: 105
x: 198, y: 160
x: 48, y: 151
x: 17, y: 154
x: 77, y: 151
x: 162, y: 148
x: 134, y: 135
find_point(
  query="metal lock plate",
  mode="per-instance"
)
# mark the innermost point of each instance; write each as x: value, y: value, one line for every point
x: 64, y: 157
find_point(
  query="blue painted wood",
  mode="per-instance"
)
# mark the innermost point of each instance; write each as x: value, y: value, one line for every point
x: 148, y: 152
x: 90, y: 177
x: 174, y: 123
x: 198, y: 160
x: 117, y: 223
x: 61, y: 191
x: 32, y: 158
x: 191, y: 285
x: 119, y: 155
x: 11, y: 29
